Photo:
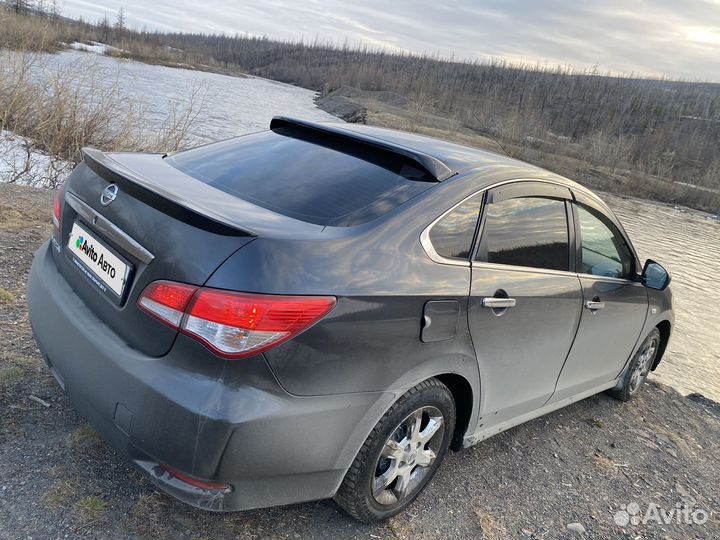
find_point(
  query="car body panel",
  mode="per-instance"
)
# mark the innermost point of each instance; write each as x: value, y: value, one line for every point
x: 520, y: 368
x: 196, y: 413
x: 181, y: 251
x: 606, y: 337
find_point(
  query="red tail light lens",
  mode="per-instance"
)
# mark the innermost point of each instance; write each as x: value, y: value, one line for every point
x: 233, y: 325
x: 237, y: 325
x: 167, y: 301
x: 58, y: 205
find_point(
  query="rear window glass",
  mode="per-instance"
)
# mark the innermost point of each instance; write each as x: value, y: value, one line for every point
x: 306, y: 176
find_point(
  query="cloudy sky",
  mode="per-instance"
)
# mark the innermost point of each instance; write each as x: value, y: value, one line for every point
x: 680, y: 38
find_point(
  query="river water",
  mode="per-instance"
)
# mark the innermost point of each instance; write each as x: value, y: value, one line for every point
x: 686, y: 242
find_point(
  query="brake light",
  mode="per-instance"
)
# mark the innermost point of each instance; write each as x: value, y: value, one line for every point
x: 166, y: 301
x: 231, y: 324
x: 58, y: 205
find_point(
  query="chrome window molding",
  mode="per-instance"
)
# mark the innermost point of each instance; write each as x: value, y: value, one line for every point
x: 607, y: 278
x: 434, y: 256
x: 113, y: 233
x: 427, y: 244
x: 516, y: 268
x: 425, y: 234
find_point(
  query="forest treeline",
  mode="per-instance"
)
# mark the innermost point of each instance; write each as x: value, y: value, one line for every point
x: 664, y: 128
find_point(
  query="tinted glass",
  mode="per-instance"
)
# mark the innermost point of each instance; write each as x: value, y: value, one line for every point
x: 527, y: 231
x: 452, y: 236
x: 604, y: 251
x: 306, y: 176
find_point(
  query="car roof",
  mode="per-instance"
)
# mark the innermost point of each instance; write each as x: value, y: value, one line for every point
x: 461, y: 158
x: 456, y: 156
x: 442, y: 159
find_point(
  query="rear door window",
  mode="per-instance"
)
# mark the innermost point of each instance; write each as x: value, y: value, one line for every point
x: 526, y: 231
x: 452, y: 236
x: 306, y: 176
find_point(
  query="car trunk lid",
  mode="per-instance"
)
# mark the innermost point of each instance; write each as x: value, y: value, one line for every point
x: 161, y: 224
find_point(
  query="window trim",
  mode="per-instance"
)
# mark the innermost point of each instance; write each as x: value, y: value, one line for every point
x: 580, y: 195
x: 430, y: 248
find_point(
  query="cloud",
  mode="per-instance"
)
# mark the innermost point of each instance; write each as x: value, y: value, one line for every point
x: 677, y: 38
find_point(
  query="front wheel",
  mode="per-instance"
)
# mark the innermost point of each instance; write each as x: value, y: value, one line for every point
x: 400, y: 455
x: 638, y: 369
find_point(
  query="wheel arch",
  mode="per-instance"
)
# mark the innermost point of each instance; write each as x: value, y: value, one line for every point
x: 665, y: 328
x: 462, y: 393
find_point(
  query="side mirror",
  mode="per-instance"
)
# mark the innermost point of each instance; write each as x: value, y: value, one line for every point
x: 654, y: 276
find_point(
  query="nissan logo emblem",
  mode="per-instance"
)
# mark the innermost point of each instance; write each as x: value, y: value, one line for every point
x: 109, y: 194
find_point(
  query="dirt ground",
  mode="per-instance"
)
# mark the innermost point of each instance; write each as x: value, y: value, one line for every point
x: 579, y: 467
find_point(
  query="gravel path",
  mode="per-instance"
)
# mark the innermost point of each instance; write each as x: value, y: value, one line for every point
x: 573, y: 468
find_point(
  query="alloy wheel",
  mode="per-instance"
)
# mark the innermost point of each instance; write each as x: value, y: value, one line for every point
x: 407, y: 456
x: 647, y: 356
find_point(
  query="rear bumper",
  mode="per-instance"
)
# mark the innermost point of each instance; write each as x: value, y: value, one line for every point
x: 209, y: 419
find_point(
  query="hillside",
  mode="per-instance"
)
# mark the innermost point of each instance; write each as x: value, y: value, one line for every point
x: 661, y: 135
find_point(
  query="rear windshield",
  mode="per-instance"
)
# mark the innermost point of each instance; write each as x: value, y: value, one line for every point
x: 306, y: 175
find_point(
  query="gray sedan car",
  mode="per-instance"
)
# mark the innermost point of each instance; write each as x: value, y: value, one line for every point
x: 323, y: 310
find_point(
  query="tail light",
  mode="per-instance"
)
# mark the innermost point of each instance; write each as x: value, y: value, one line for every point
x: 231, y: 324
x: 58, y: 206
x: 167, y: 301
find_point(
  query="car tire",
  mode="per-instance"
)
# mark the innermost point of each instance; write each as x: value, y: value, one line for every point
x: 396, y: 461
x: 638, y: 368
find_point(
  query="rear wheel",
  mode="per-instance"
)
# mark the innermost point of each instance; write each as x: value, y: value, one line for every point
x: 638, y: 369
x: 401, y: 454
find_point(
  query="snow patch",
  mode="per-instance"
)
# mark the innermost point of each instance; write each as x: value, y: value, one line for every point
x: 94, y: 47
x: 21, y: 164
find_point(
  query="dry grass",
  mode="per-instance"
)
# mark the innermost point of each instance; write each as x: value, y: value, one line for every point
x: 28, y: 33
x: 84, y: 439
x: 14, y: 218
x: 6, y: 297
x: 10, y: 374
x: 60, y: 109
x: 605, y: 463
x: 680, y: 443
x: 62, y: 493
x: 146, y: 516
x: 489, y: 526
x: 91, y: 508
x: 579, y: 166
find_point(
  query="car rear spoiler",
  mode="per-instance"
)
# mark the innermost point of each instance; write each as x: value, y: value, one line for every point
x: 438, y: 170
x: 190, y: 200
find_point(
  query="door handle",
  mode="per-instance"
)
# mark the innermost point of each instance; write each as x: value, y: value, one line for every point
x: 594, y: 304
x: 498, y: 302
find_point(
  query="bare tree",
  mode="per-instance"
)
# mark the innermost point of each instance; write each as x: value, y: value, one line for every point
x: 120, y: 24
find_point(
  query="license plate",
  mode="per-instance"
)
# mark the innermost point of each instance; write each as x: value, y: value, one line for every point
x: 106, y: 270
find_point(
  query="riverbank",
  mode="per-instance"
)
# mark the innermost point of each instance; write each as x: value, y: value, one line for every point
x: 557, y: 154
x: 577, y: 466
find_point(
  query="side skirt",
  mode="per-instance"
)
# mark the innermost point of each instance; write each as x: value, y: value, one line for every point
x: 486, y: 433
